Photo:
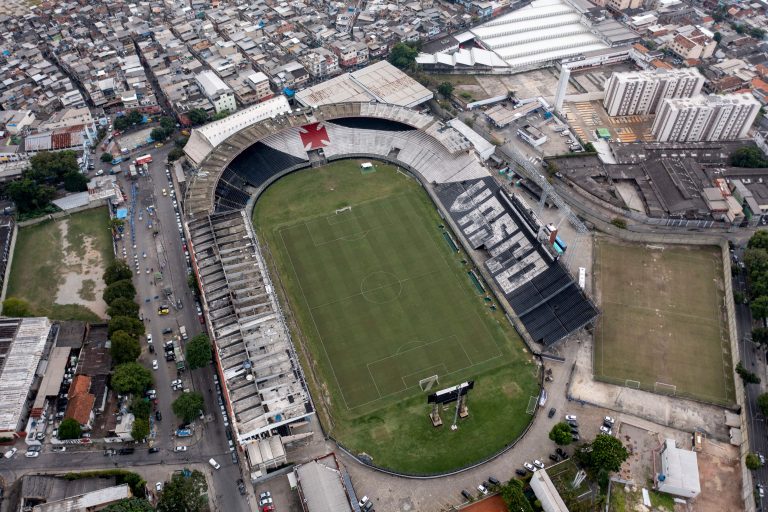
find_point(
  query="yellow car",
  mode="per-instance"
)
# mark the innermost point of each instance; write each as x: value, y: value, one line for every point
x: 159, y: 145
x: 162, y: 311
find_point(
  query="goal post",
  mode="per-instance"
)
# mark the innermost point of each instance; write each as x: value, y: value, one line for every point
x: 342, y: 210
x: 663, y: 388
x: 427, y: 383
x: 634, y: 384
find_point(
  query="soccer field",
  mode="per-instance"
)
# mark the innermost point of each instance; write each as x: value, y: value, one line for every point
x: 382, y: 302
x: 663, y: 326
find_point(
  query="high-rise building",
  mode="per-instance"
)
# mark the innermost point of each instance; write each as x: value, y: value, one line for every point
x: 705, y: 118
x: 641, y: 92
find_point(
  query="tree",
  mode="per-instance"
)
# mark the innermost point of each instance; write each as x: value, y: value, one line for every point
x: 199, y: 351
x: 514, y: 498
x: 197, y: 116
x: 747, y: 376
x: 757, y: 32
x: 115, y: 225
x: 221, y: 115
x: 132, y: 325
x: 717, y: 36
x: 403, y: 55
x: 445, y: 88
x: 13, y: 306
x: 188, y: 406
x: 175, y: 154
x: 605, y: 453
x: 141, y: 408
x: 748, y: 156
x: 117, y: 271
x: 759, y: 240
x: 753, y: 461
x: 29, y: 195
x: 760, y: 335
x: 123, y: 288
x: 70, y: 429
x: 123, y: 307
x: 759, y: 307
x: 193, y: 284
x: 131, y: 378
x: 158, y: 134
x: 619, y: 223
x: 121, y: 123
x: 134, y: 117
x: 561, y: 434
x: 106, y: 157
x: 124, y: 348
x: 140, y: 429
x: 168, y: 124
x: 762, y: 403
x: 52, y: 166
x: 130, y: 505
x: 75, y: 182
x: 184, y: 494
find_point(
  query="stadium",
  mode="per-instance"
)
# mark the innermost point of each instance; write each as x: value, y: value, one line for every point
x: 331, y: 244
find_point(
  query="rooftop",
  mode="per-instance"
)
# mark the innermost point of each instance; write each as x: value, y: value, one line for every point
x: 381, y: 82
x: 321, y: 486
x: 22, y: 341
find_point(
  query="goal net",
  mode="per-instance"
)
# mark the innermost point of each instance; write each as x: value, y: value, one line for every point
x: 634, y: 384
x: 342, y: 210
x: 665, y: 389
x: 428, y: 383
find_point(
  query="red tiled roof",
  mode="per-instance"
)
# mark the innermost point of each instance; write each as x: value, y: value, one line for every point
x: 79, y: 408
x: 80, y: 385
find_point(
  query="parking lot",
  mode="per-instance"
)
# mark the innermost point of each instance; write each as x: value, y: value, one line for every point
x: 587, y: 116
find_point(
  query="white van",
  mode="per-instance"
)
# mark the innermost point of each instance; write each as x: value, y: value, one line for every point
x: 214, y: 464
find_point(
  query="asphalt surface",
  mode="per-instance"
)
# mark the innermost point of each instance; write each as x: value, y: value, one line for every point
x: 753, y: 358
x: 162, y: 253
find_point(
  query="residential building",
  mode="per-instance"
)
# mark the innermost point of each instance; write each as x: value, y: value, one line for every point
x: 320, y: 63
x: 705, y: 118
x: 622, y: 5
x: 350, y: 53
x: 640, y: 92
x: 259, y: 82
x: 217, y: 92
x: 81, y: 401
x: 693, y: 43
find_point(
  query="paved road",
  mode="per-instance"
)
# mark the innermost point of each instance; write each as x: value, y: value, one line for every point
x: 753, y: 358
x: 164, y: 253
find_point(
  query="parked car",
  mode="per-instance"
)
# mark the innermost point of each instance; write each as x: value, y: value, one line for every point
x: 520, y: 472
x: 554, y: 457
x: 154, y: 364
x: 154, y: 449
x: 609, y: 420
x: 266, y: 494
x: 551, y: 412
x: 158, y: 416
x: 605, y: 430
x: 31, y: 454
x: 530, y: 467
x: 59, y: 448
x: 538, y: 464
x: 241, y: 486
x: 493, y: 481
x: 159, y: 486
x: 573, y: 423
x: 467, y: 495
x: 483, y: 490
x: 570, y: 417
x: 182, y: 449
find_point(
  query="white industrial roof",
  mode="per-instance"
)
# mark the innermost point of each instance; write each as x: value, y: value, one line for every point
x: 211, y: 83
x: 54, y: 374
x: 381, y: 81
x: 543, y: 31
x: 204, y: 139
x: 546, y: 492
x: 484, y: 148
x: 21, y: 361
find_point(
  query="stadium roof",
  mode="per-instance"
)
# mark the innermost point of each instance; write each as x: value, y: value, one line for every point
x: 204, y: 139
x: 380, y: 82
x: 22, y: 341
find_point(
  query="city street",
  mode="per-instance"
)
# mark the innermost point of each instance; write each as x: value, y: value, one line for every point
x: 753, y: 359
x: 162, y: 253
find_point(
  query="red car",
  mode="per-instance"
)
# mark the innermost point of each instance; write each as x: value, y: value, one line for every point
x: 268, y: 508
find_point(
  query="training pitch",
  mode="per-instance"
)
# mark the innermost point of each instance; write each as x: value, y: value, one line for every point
x: 382, y: 301
x: 663, y: 326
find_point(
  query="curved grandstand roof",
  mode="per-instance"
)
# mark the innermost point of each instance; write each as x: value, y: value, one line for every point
x: 436, y: 151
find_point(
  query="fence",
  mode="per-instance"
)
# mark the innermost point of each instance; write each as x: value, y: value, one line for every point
x: 66, y: 213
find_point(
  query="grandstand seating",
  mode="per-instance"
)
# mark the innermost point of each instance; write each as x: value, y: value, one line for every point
x: 260, y: 162
x: 541, y: 292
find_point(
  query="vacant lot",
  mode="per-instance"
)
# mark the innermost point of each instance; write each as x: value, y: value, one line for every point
x: 382, y: 302
x: 663, y: 326
x: 58, y: 266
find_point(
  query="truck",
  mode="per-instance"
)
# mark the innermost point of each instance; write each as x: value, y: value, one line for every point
x: 183, y: 432
x: 183, y: 332
x: 132, y: 171
x: 144, y: 159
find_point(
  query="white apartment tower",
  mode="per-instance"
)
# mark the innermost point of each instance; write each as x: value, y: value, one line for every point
x: 641, y: 92
x: 705, y: 118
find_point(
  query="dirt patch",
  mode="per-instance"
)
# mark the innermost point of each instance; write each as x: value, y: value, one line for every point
x: 511, y: 389
x: 81, y: 278
x: 492, y: 504
x: 720, y: 478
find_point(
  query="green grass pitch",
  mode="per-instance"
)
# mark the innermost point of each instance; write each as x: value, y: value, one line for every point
x: 663, y: 319
x: 381, y: 301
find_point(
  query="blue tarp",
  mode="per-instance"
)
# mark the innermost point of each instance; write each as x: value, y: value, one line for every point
x: 122, y: 213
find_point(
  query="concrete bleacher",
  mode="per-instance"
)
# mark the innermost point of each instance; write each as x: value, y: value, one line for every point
x: 547, y: 300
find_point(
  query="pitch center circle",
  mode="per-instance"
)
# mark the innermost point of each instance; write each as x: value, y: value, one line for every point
x: 381, y: 287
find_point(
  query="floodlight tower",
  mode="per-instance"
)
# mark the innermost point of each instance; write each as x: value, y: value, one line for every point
x: 458, y: 405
